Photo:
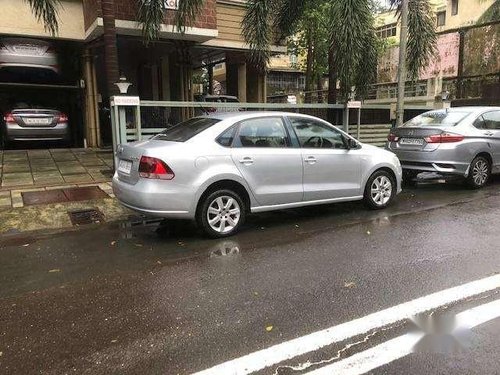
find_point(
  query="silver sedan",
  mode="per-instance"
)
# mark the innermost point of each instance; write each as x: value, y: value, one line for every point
x: 216, y: 169
x: 460, y: 141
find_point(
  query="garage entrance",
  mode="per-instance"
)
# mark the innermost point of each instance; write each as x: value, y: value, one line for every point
x: 41, y: 99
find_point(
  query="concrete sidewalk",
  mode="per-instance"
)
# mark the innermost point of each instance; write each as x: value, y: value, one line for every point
x: 17, y: 216
x: 51, y: 173
x: 42, y: 168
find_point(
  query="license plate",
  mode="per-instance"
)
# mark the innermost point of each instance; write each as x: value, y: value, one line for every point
x: 125, y: 166
x: 37, y: 121
x: 411, y: 141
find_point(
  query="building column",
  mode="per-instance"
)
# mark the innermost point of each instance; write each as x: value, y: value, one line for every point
x: 256, y: 85
x: 242, y: 82
x: 92, y: 133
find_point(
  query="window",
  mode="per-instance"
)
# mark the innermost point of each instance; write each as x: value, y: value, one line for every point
x: 187, y: 129
x: 314, y: 134
x: 454, y: 7
x: 226, y: 138
x: 262, y: 132
x: 440, y: 18
x: 440, y: 117
x: 488, y: 121
x: 387, y: 31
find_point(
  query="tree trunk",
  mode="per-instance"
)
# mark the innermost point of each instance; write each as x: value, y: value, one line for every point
x: 402, y: 63
x: 110, y: 47
x: 332, y: 86
x: 319, y: 87
x: 309, y: 64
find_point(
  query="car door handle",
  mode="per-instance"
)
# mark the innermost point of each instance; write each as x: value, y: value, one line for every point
x: 489, y: 134
x: 310, y: 160
x: 246, y: 160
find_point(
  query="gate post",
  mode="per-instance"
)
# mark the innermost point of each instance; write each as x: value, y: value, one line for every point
x: 119, y: 103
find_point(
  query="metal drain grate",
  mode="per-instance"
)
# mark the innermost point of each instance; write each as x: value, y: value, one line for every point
x: 83, y: 217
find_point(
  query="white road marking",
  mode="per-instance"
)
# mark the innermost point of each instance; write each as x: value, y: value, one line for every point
x: 281, y: 352
x: 402, y: 346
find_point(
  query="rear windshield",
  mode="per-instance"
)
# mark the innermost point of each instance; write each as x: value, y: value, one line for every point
x: 437, y: 118
x: 187, y: 129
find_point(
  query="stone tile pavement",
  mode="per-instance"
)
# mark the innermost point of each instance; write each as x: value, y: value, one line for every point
x: 51, y: 167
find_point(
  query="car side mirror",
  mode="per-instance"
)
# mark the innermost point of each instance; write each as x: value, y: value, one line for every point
x: 352, y: 143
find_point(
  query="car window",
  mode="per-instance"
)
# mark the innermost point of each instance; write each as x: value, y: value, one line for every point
x: 489, y: 121
x: 440, y: 117
x: 186, y: 130
x: 226, y: 138
x: 315, y: 134
x: 262, y: 132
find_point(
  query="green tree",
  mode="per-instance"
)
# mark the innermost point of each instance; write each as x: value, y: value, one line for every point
x: 311, y: 42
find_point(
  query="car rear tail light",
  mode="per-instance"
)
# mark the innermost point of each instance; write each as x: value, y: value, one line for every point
x: 9, y: 117
x: 155, y: 168
x: 444, y: 138
x: 392, y: 137
x: 62, y: 118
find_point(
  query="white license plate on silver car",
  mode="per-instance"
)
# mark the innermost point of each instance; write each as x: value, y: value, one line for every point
x: 125, y: 166
x: 411, y: 141
x: 37, y: 121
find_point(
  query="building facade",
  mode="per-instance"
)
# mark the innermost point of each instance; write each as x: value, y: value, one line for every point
x: 99, y: 40
x: 466, y: 63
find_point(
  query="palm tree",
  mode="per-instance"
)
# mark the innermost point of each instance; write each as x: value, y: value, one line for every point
x: 352, y: 56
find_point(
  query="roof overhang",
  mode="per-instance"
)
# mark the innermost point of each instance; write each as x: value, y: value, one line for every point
x: 133, y: 28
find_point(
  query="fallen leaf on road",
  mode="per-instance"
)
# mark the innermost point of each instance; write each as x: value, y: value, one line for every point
x: 158, y: 262
x: 113, y: 341
x: 113, y: 243
x: 349, y: 284
x: 269, y: 328
x: 26, y: 245
x: 296, y: 226
x: 54, y: 270
x: 368, y: 232
x: 256, y: 293
x: 1, y: 354
x: 180, y: 243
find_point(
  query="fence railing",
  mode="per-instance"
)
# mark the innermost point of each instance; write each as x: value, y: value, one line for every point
x: 156, y: 116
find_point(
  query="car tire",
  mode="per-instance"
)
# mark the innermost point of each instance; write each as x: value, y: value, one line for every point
x: 380, y: 190
x: 221, y: 213
x: 479, y: 172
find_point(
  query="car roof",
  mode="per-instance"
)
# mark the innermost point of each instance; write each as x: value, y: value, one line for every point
x: 473, y: 109
x: 252, y: 114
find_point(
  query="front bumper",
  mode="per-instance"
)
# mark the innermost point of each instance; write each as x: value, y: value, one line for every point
x: 155, y: 198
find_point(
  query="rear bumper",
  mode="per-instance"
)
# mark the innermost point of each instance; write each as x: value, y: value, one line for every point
x: 155, y: 198
x: 442, y: 161
x: 14, y: 132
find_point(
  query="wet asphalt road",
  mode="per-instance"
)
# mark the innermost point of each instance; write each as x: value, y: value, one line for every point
x: 138, y: 299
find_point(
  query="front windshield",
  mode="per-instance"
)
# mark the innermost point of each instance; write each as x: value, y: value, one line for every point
x: 437, y: 118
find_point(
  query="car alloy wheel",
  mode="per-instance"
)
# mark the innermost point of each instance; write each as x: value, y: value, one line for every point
x: 223, y: 214
x: 479, y: 173
x: 381, y: 190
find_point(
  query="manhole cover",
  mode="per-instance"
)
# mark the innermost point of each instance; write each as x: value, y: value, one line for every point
x: 83, y: 217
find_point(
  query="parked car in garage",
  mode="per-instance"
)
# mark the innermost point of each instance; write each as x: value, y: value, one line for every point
x: 218, y: 168
x: 28, y: 122
x: 460, y: 141
x: 28, y: 53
